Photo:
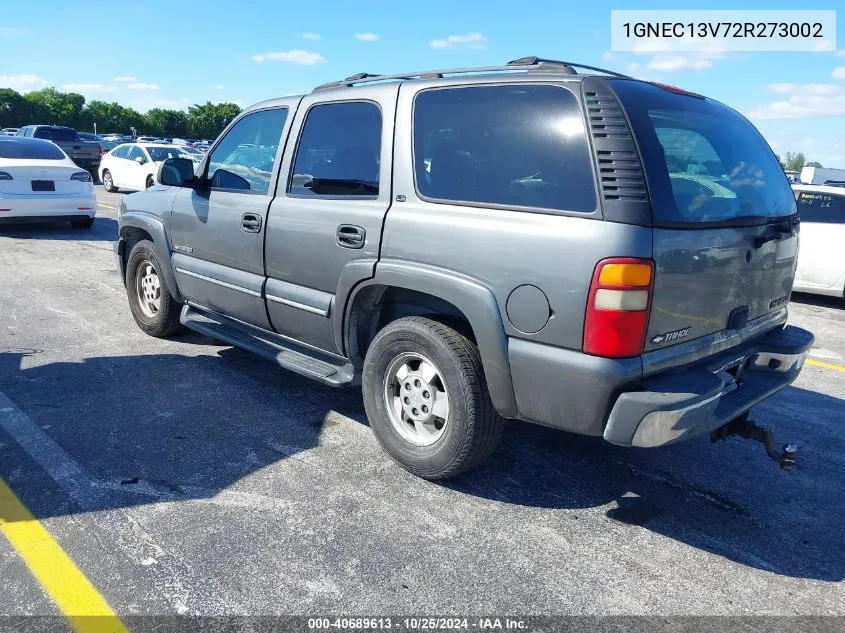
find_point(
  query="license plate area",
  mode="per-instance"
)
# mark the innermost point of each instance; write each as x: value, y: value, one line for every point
x: 43, y: 185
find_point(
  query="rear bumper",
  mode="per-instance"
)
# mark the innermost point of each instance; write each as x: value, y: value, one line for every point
x: 675, y: 406
x: 26, y: 208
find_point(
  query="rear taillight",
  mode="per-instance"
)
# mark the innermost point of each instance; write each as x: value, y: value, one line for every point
x: 83, y: 176
x: 100, y: 148
x: 618, y: 306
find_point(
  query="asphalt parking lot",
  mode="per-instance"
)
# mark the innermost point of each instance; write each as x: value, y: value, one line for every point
x: 183, y: 476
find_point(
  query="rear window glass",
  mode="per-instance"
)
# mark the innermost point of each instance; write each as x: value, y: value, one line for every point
x: 703, y: 161
x: 819, y: 206
x: 59, y: 134
x: 509, y: 145
x: 30, y: 149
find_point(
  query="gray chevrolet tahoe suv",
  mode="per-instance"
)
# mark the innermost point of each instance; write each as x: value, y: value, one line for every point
x: 590, y: 252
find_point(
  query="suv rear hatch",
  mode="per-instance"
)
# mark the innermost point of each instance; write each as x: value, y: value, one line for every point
x: 724, y: 216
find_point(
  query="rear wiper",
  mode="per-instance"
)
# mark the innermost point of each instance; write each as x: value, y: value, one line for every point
x: 781, y: 231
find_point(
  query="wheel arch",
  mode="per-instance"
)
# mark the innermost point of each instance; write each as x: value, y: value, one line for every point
x: 135, y: 227
x: 400, y: 289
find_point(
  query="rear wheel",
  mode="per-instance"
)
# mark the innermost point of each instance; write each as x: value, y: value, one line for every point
x: 108, y: 181
x: 426, y: 398
x: 82, y: 224
x: 153, y: 307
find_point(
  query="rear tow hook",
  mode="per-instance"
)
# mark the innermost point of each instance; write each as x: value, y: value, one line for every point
x: 745, y: 428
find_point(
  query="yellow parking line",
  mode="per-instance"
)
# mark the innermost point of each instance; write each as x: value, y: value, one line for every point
x: 819, y: 363
x: 72, y: 592
x: 106, y: 206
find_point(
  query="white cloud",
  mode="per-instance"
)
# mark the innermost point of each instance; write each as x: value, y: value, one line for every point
x: 802, y: 101
x: 11, y: 31
x: 219, y: 87
x: 87, y: 88
x: 470, y: 40
x: 311, y: 36
x: 607, y: 56
x: 366, y: 37
x: 295, y: 56
x: 672, y: 62
x: 142, y: 86
x: 840, y: 53
x: 838, y: 72
x: 125, y: 79
x: 782, y: 88
x: 823, y: 46
x: 22, y: 83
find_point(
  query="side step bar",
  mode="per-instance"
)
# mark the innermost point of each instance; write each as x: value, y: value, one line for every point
x: 328, y: 369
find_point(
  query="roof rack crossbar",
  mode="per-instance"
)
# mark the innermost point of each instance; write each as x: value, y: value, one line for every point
x: 522, y: 63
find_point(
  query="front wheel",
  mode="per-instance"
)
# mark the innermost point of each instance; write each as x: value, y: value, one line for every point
x: 426, y: 398
x: 155, y: 310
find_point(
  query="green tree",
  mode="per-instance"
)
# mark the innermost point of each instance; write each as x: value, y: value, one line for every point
x: 14, y: 108
x: 166, y: 122
x: 208, y: 120
x: 813, y: 163
x: 59, y: 108
x: 111, y: 118
x: 794, y: 161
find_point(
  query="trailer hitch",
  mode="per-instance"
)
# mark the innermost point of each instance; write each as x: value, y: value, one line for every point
x: 746, y: 429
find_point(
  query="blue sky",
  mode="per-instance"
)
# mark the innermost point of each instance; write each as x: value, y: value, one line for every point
x: 171, y: 54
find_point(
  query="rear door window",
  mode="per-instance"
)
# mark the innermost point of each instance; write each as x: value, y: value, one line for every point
x: 704, y: 162
x: 511, y: 145
x: 821, y: 207
x: 339, y: 151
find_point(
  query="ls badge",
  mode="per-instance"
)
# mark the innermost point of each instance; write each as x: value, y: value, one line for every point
x: 668, y: 337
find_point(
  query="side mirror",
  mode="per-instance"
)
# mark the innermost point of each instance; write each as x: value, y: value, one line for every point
x: 140, y: 160
x: 177, y: 172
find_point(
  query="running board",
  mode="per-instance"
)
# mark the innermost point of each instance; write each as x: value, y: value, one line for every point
x: 273, y: 347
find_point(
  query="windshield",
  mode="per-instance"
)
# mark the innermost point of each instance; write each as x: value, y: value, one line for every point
x: 189, y: 150
x: 30, y: 149
x: 58, y: 134
x: 703, y: 161
x: 159, y: 154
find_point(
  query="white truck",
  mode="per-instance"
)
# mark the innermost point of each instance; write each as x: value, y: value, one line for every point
x: 820, y: 175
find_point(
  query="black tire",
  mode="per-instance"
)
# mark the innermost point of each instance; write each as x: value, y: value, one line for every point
x: 82, y: 224
x: 108, y: 182
x: 150, y: 182
x: 164, y: 320
x: 473, y: 428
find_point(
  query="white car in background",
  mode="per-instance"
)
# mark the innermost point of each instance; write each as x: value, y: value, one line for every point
x: 134, y: 166
x: 39, y: 181
x: 192, y: 152
x: 821, y: 259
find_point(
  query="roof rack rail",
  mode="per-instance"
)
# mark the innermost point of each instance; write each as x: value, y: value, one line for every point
x: 523, y: 63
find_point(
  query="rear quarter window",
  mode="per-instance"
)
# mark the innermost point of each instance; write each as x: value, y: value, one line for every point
x: 512, y: 145
x: 821, y: 207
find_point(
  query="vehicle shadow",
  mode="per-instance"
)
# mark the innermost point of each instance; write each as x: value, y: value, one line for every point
x: 821, y: 301
x: 192, y: 426
x: 104, y: 230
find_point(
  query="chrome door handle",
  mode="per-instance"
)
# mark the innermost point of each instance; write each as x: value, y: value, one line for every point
x: 351, y: 236
x: 251, y: 223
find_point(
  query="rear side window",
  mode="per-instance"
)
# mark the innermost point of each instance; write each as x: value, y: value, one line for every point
x: 821, y: 207
x: 522, y: 145
x: 121, y: 152
x: 704, y: 162
x: 57, y: 134
x: 30, y: 149
x: 339, y: 152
